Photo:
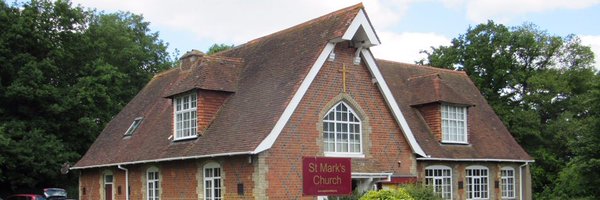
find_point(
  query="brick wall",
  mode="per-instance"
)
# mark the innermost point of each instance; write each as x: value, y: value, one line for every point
x: 459, y: 175
x: 383, y: 143
x: 209, y: 103
x: 433, y: 117
x: 179, y: 180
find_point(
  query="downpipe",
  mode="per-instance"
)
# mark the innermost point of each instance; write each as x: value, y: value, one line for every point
x: 126, y: 181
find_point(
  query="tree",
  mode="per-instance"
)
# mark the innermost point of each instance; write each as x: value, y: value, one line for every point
x: 218, y: 48
x: 64, y: 72
x: 543, y: 88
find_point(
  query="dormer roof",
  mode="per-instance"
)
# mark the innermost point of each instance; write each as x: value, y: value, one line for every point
x: 439, y: 89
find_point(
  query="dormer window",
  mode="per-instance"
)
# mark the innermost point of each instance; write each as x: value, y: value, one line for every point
x: 185, y: 117
x: 454, y: 124
x: 133, y: 127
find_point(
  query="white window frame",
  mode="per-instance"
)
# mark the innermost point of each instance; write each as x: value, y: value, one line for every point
x: 446, y: 180
x: 216, y: 183
x: 477, y: 185
x: 507, y: 183
x: 181, y: 131
x: 153, y: 184
x: 352, y: 122
x: 452, y: 118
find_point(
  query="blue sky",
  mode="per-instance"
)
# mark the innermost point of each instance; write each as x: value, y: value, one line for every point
x: 404, y: 26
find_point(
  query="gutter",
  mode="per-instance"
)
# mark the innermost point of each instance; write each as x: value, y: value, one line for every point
x: 166, y: 159
x: 126, y: 181
x: 476, y: 160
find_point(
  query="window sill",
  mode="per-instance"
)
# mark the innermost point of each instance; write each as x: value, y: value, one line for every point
x: 185, y: 138
x: 453, y: 142
x: 344, y: 155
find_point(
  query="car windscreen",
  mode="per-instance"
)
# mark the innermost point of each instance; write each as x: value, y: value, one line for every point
x: 55, y: 193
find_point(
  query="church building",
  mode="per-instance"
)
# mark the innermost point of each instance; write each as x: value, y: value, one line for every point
x: 237, y: 124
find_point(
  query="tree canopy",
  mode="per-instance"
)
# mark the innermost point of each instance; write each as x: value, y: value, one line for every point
x: 218, y: 48
x: 546, y: 91
x: 64, y: 72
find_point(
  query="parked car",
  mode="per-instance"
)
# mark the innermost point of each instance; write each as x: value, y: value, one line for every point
x: 26, y: 197
x: 55, y: 193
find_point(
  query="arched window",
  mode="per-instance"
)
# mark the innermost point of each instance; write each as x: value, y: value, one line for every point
x: 477, y: 182
x: 212, y: 181
x: 153, y: 184
x: 342, y: 131
x: 440, y: 179
x: 507, y: 182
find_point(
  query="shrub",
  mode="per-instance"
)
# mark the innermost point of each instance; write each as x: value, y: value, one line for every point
x: 394, y: 194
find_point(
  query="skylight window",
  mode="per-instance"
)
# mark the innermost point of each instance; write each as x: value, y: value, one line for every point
x: 134, y: 126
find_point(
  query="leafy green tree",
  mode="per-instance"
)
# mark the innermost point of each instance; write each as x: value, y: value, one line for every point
x: 218, y: 48
x: 543, y: 87
x: 64, y: 72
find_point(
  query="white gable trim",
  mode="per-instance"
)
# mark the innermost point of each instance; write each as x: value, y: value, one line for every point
x: 389, y: 98
x: 268, y: 142
x: 361, y: 20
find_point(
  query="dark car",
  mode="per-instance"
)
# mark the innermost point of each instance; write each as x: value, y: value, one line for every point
x: 26, y: 197
x: 55, y: 194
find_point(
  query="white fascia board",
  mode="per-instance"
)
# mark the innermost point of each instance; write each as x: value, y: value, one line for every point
x: 361, y: 20
x: 268, y: 142
x: 476, y: 160
x: 164, y: 159
x: 391, y: 101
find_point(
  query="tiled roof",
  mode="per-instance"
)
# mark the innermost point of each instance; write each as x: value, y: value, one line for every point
x: 487, y: 135
x: 263, y: 76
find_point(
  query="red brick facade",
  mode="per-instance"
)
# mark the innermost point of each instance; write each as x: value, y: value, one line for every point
x: 209, y: 103
x: 179, y: 180
x: 384, y: 146
x: 433, y: 117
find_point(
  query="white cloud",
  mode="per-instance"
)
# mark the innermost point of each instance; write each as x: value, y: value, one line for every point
x: 238, y: 21
x: 405, y: 47
x: 594, y: 42
x: 504, y: 11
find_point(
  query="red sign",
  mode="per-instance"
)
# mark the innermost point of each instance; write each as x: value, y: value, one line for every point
x: 326, y: 176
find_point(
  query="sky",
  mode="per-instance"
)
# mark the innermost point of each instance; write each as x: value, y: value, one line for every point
x: 405, y: 27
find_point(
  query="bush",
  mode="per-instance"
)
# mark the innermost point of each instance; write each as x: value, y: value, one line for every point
x: 394, y: 194
x: 421, y: 192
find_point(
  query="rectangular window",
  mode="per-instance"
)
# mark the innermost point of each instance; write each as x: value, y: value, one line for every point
x: 440, y: 179
x: 185, y: 117
x: 454, y: 124
x: 153, y: 185
x: 477, y: 183
x: 507, y: 182
x: 212, y: 182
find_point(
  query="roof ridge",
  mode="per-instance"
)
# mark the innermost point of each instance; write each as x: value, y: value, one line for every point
x: 297, y: 26
x: 424, y: 66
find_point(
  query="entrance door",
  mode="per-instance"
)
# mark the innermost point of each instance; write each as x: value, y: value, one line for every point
x: 108, y: 186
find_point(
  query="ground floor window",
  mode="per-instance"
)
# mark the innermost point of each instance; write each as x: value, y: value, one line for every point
x: 507, y: 182
x: 440, y: 179
x: 477, y: 182
x: 212, y: 181
x: 153, y: 184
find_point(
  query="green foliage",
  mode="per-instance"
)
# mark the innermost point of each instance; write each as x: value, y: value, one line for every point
x: 421, y: 192
x: 545, y: 89
x: 218, y: 48
x: 65, y: 71
x: 394, y: 194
